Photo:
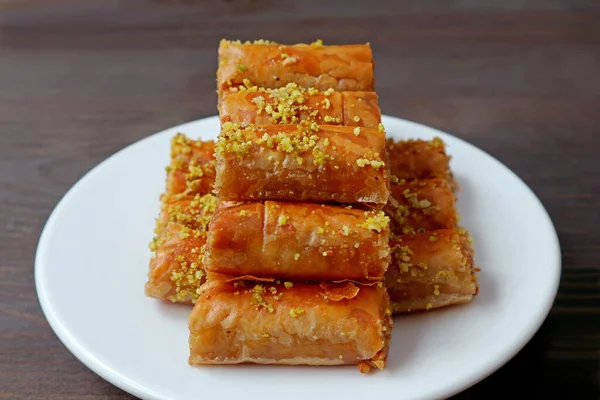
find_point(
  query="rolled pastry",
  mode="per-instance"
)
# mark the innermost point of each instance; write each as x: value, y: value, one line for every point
x: 298, y: 241
x: 292, y: 103
x: 430, y: 270
x: 192, y: 167
x: 305, y: 163
x: 294, y: 324
x: 176, y: 268
x: 420, y: 159
x: 271, y: 65
x: 422, y: 206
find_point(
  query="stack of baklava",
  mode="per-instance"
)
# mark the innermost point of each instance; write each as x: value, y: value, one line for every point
x: 285, y: 265
x: 432, y: 257
x: 176, y: 268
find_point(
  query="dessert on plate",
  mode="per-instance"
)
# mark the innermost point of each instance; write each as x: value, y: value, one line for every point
x: 303, y: 228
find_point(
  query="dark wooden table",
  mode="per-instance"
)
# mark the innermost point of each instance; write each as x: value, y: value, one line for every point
x: 79, y: 80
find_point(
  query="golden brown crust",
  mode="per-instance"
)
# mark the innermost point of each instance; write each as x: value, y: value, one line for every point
x: 420, y: 159
x: 235, y: 323
x: 430, y: 270
x: 422, y: 206
x: 306, y: 163
x: 192, y: 167
x: 298, y: 241
x: 430, y: 301
x: 292, y: 104
x: 271, y: 65
x: 361, y: 109
x: 176, y: 268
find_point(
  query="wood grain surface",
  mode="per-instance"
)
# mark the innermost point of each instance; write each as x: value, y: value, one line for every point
x: 80, y: 80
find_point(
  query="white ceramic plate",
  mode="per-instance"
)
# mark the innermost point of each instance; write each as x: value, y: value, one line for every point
x: 92, y: 260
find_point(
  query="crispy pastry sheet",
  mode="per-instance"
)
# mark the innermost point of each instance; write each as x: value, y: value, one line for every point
x: 422, y: 205
x: 302, y: 163
x: 420, y: 159
x: 291, y: 104
x: 271, y: 65
x: 298, y: 241
x: 430, y: 270
x: 192, y: 167
x: 176, y: 267
x: 285, y: 323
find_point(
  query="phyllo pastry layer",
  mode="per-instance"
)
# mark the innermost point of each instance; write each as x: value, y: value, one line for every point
x: 192, y: 167
x: 292, y: 103
x: 304, y: 163
x: 272, y: 65
x: 422, y: 206
x: 290, y: 323
x: 176, y: 268
x: 430, y: 270
x: 419, y: 159
x: 298, y: 241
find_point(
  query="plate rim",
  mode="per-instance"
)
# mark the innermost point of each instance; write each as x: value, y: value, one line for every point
x: 128, y: 385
